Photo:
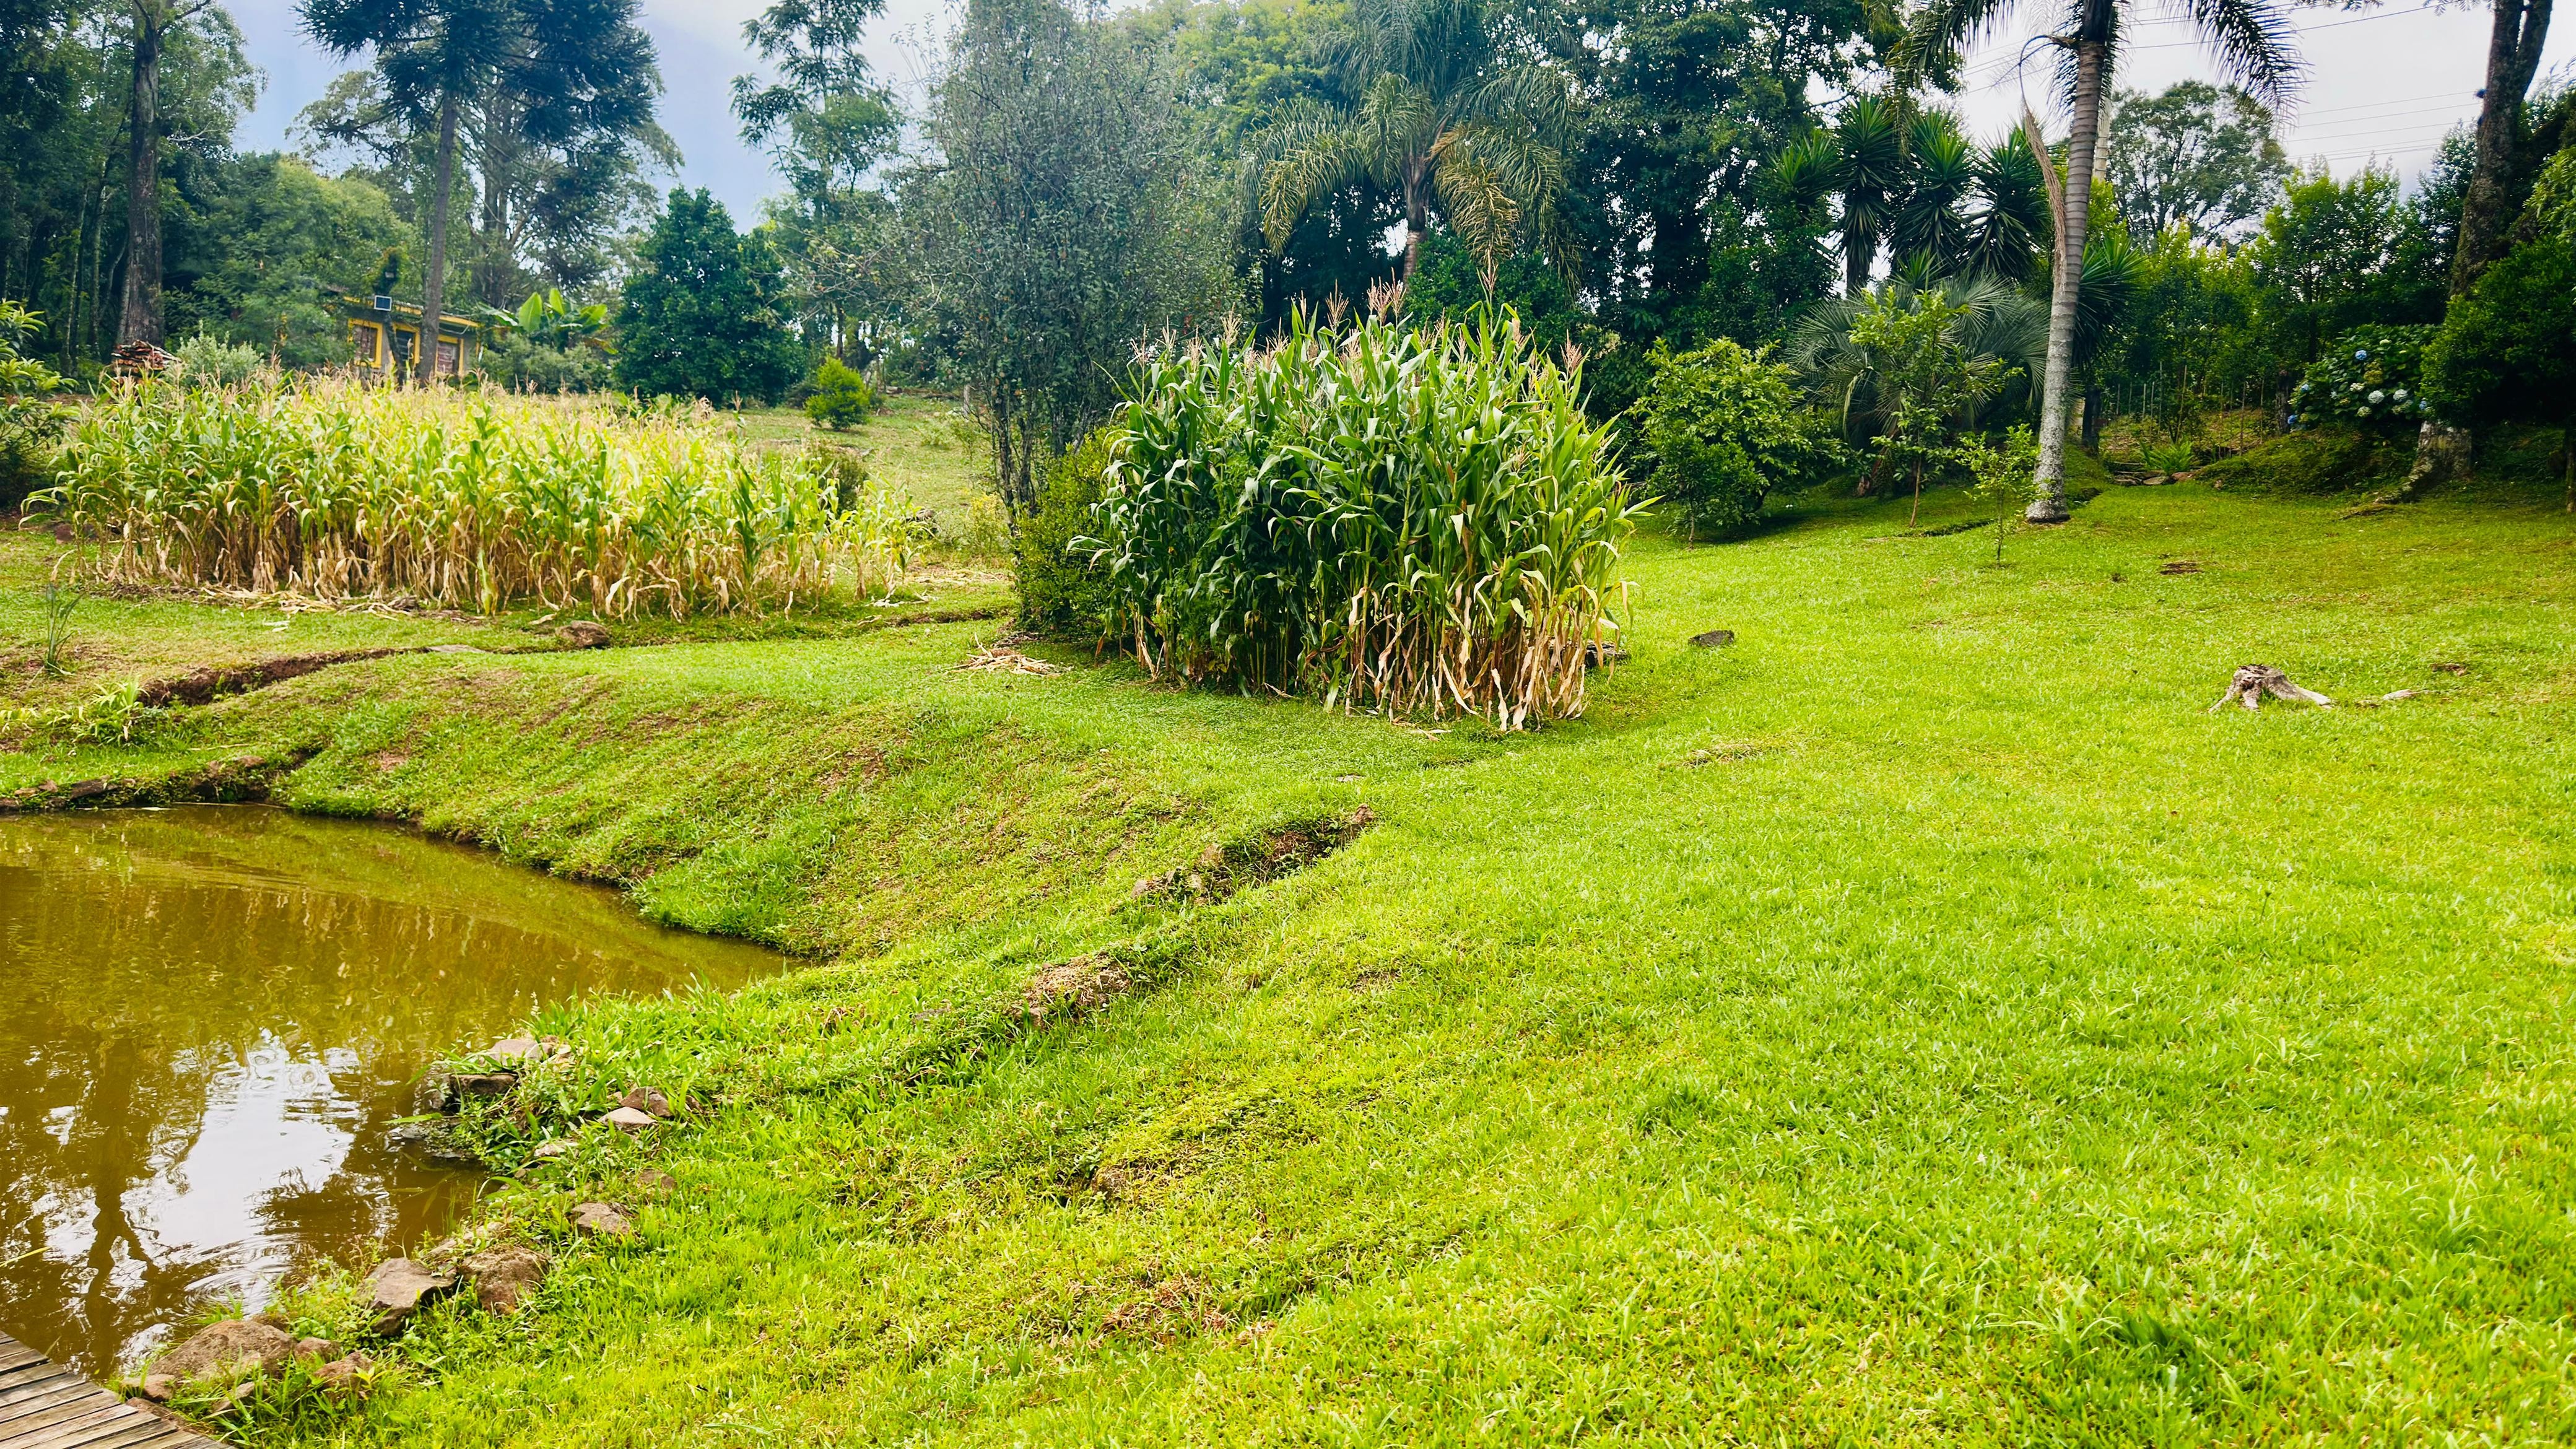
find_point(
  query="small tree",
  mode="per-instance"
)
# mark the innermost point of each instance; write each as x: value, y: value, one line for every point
x: 842, y: 398
x: 1927, y: 382
x: 701, y: 315
x: 1066, y: 223
x: 1722, y: 428
x: 2004, y: 475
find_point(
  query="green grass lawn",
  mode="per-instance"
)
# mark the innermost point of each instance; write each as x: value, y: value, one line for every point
x: 919, y: 443
x: 1921, y: 1022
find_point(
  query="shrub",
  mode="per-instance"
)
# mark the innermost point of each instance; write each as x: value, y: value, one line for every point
x: 1061, y: 587
x: 1721, y: 429
x: 206, y: 360
x: 2370, y: 378
x: 29, y: 422
x: 473, y: 502
x: 841, y: 397
x: 2507, y: 352
x: 521, y: 364
x: 1386, y: 518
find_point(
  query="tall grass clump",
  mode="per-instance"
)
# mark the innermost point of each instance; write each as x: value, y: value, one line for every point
x: 1414, y: 521
x: 463, y: 501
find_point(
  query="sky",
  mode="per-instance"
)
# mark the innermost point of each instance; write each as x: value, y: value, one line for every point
x: 2382, y: 85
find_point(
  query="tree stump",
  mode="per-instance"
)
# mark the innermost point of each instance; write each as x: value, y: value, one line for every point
x: 2257, y: 680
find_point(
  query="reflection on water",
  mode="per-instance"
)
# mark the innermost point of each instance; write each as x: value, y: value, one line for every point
x: 208, y: 1017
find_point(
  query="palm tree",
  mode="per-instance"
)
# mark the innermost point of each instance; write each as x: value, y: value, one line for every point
x: 1931, y: 219
x: 2005, y: 231
x: 1444, y: 118
x: 1860, y: 163
x: 2251, y: 38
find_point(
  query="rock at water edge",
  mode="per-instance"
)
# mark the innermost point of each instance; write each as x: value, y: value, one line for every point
x: 400, y: 1288
x: 223, y: 1350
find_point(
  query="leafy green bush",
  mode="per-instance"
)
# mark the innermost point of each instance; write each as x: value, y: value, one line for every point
x: 522, y: 363
x: 2370, y: 378
x: 29, y: 422
x: 1061, y: 587
x: 206, y: 360
x: 1721, y: 429
x: 841, y: 397
x: 2507, y: 351
x: 1404, y: 520
x: 704, y: 310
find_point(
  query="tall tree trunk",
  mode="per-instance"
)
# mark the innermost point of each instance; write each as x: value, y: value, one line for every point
x: 496, y: 273
x: 2513, y: 58
x: 2442, y: 451
x: 1860, y: 253
x: 433, y: 282
x: 139, y: 319
x: 2066, y: 275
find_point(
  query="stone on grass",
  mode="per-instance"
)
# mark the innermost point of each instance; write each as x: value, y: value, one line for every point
x: 523, y: 1050
x: 629, y: 1119
x: 400, y: 1288
x: 581, y: 634
x: 646, y: 1099
x: 549, y: 1151
x: 225, y: 1350
x: 600, y: 1220
x: 344, y: 1377
x: 465, y: 1086
x: 654, y: 1179
x: 504, y: 1277
x: 316, y: 1348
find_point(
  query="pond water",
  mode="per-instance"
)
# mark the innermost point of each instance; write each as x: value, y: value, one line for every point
x: 210, y: 1015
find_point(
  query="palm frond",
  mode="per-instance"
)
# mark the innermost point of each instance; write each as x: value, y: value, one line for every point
x: 1316, y: 155
x: 2252, y: 38
x: 1940, y: 30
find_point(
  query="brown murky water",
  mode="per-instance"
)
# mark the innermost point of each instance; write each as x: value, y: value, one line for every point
x: 210, y: 1015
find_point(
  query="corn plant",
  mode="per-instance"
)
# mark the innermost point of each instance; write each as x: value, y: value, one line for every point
x: 1420, y: 522
x: 464, y: 502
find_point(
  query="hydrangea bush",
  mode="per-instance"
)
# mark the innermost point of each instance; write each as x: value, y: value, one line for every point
x: 2370, y: 378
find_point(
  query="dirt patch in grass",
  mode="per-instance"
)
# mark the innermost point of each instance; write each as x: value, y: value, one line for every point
x: 1069, y: 990
x: 1223, y: 870
x: 199, y: 686
x: 1174, y: 1309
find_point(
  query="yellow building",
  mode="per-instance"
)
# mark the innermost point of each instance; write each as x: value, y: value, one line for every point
x: 384, y: 333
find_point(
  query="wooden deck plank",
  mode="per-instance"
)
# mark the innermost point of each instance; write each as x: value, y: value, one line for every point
x: 124, y: 1431
x: 67, y: 1423
x: 55, y: 1392
x: 46, y: 1406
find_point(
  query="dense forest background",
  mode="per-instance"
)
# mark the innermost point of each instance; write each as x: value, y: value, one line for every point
x: 1630, y: 176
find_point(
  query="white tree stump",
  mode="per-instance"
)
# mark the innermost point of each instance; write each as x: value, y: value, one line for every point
x: 2257, y: 680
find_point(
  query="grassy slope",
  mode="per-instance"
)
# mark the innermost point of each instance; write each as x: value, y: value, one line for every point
x: 1920, y: 1022
x: 919, y: 443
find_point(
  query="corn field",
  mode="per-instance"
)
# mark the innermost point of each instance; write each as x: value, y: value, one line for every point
x: 463, y: 501
x: 1418, y: 522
